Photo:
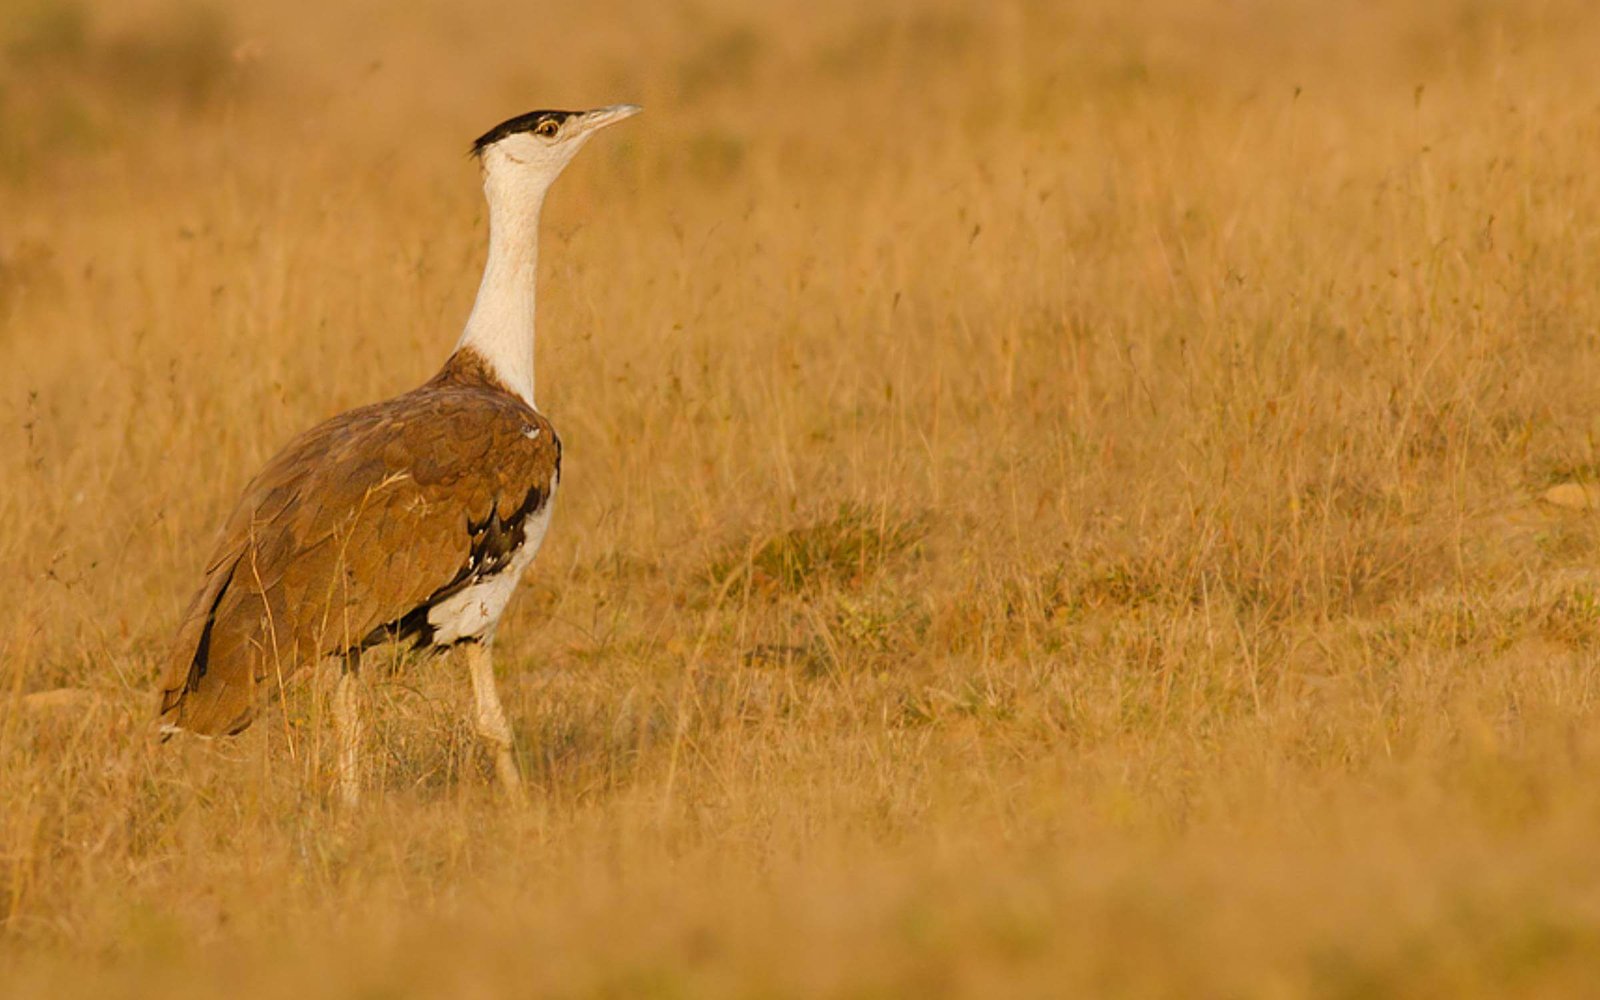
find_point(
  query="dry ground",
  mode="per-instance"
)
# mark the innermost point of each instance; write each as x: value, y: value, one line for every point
x: 1050, y: 503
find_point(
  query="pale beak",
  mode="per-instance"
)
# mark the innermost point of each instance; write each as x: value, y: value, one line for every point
x: 599, y: 118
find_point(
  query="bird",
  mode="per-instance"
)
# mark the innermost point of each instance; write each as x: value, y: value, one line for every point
x: 409, y: 520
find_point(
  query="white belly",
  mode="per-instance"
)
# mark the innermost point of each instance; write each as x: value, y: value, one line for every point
x: 473, y: 613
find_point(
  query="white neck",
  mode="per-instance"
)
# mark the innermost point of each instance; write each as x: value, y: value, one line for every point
x: 500, y: 328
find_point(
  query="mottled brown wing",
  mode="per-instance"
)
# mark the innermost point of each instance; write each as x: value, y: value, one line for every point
x: 358, y: 522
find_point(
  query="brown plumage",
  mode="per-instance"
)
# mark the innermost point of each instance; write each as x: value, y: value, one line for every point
x: 410, y: 520
x: 353, y: 532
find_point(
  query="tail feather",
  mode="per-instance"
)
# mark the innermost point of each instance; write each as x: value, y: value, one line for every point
x: 208, y: 686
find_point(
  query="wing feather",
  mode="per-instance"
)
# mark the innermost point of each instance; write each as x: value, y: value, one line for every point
x: 355, y: 524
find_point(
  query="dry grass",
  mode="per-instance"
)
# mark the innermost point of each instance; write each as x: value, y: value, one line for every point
x: 1049, y: 501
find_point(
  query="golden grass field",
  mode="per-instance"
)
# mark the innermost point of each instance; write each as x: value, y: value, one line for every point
x: 1054, y: 498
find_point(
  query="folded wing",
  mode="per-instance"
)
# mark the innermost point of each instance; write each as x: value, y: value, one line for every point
x: 349, y: 535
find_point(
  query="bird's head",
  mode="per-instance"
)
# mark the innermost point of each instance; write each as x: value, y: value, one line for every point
x: 527, y: 153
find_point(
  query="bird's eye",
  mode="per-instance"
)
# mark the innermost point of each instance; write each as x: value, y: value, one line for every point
x: 546, y: 128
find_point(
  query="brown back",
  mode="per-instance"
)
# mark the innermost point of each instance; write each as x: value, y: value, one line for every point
x: 357, y: 522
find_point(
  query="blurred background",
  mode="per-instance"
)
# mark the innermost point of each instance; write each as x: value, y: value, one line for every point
x: 1059, y: 496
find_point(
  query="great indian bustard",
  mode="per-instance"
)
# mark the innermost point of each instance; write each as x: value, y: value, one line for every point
x: 407, y: 520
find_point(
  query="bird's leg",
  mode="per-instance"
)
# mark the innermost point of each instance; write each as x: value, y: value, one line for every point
x: 347, y: 722
x: 490, y: 718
